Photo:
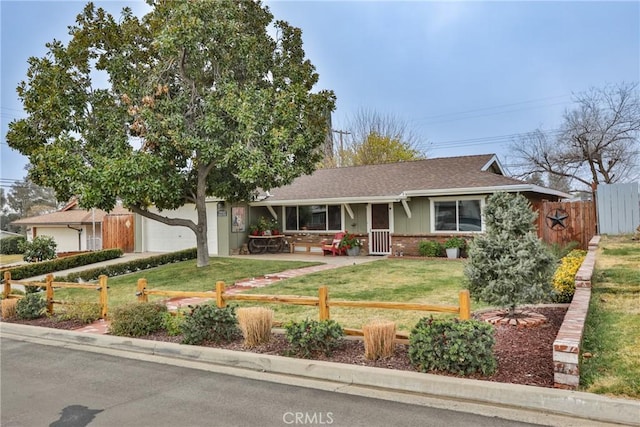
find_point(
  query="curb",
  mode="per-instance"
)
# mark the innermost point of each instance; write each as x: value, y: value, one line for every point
x: 554, y: 402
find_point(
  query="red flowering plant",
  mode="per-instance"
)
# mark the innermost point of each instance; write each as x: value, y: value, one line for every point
x: 349, y: 240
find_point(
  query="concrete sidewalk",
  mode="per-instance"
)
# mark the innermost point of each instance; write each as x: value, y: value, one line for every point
x: 507, y: 401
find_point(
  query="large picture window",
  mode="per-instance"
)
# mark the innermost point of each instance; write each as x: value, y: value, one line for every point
x: 458, y: 215
x: 313, y: 218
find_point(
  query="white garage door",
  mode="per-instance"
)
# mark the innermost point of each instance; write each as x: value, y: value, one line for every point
x: 158, y: 237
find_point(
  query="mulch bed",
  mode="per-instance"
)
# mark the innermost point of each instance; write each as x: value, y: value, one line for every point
x: 524, y: 355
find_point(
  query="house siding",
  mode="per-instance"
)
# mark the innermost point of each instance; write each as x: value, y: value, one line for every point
x: 419, y: 221
x: 159, y: 237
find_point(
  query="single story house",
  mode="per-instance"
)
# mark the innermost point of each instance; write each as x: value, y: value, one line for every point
x: 390, y: 207
x: 73, y: 229
x: 393, y: 206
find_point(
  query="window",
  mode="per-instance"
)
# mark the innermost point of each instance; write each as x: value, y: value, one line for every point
x: 458, y: 215
x: 313, y: 218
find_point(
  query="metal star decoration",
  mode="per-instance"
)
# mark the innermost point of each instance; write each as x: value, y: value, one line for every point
x: 557, y: 219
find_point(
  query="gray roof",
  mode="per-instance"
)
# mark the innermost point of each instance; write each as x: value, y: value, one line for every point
x: 394, y: 181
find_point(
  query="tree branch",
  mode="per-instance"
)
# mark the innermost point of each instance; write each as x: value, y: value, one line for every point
x: 163, y: 219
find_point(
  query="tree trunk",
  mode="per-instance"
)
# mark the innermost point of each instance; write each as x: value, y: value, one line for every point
x: 202, y: 241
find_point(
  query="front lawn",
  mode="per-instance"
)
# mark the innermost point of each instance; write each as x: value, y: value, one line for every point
x: 612, y: 337
x: 182, y: 276
x: 394, y: 280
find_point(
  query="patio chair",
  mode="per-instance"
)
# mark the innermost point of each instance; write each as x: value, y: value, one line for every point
x: 333, y: 246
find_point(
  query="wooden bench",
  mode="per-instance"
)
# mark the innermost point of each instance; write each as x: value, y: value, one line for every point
x: 306, y: 245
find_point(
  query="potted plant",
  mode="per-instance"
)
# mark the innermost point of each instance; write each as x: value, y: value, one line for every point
x: 350, y: 243
x: 454, y: 245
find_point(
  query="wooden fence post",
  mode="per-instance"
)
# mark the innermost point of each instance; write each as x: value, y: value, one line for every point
x: 7, y: 283
x: 221, y: 303
x: 142, y: 286
x: 465, y: 305
x: 49, y: 285
x: 323, y: 297
x: 103, y: 295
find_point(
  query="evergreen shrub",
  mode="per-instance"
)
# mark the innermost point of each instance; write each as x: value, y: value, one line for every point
x: 460, y: 347
x: 41, y: 248
x: 430, y: 248
x: 509, y: 265
x: 309, y: 337
x: 137, y: 319
x: 11, y: 245
x: 32, y: 306
x: 84, y: 312
x: 206, y: 322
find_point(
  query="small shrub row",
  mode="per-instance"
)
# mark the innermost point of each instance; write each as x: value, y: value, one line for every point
x: 11, y: 245
x: 430, y: 248
x: 46, y: 267
x: 459, y: 347
x: 564, y: 279
x: 84, y: 312
x: 130, y: 266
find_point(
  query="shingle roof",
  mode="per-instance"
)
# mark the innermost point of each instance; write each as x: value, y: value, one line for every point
x: 394, y: 179
x: 69, y: 216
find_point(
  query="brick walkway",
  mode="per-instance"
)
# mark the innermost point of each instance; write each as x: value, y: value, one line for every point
x: 101, y: 326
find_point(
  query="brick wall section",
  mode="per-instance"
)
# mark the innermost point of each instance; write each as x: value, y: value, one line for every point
x: 566, y: 347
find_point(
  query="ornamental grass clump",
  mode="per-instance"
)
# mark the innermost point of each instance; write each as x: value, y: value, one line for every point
x: 564, y: 279
x: 9, y: 308
x: 379, y: 336
x: 255, y: 324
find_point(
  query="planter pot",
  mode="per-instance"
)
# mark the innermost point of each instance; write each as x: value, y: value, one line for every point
x: 453, y: 253
x: 355, y: 251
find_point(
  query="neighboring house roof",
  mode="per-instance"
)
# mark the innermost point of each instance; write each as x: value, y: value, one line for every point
x: 398, y: 181
x: 5, y: 233
x: 71, y: 215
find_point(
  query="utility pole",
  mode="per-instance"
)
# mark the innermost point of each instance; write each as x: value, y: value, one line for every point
x: 340, y: 132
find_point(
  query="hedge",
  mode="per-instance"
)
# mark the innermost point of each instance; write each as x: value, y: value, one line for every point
x: 129, y: 267
x: 11, y: 245
x: 39, y: 268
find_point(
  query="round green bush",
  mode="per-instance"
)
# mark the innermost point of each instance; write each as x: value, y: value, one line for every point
x: 460, y: 347
x: 32, y: 306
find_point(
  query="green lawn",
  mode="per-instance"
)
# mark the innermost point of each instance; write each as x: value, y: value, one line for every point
x: 10, y: 259
x: 182, y: 276
x: 612, y: 334
x: 419, y: 281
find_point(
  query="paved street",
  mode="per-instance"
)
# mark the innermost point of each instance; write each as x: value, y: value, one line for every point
x: 47, y: 385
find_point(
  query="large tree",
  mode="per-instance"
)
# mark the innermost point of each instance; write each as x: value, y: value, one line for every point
x: 373, y: 138
x: 597, y: 143
x: 201, y: 101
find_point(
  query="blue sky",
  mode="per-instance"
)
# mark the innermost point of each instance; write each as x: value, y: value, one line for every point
x: 467, y: 77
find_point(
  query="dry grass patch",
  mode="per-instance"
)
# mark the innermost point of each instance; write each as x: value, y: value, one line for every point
x: 378, y: 339
x: 255, y: 324
x: 9, y: 308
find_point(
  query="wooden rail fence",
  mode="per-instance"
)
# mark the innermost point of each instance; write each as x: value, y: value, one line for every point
x: 50, y: 286
x: 322, y: 301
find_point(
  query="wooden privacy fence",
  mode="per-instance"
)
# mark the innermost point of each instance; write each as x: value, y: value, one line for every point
x: 50, y: 286
x: 322, y: 301
x: 564, y: 222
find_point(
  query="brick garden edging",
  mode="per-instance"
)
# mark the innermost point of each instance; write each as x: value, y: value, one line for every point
x: 566, y: 347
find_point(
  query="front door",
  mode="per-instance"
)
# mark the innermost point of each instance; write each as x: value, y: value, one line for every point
x: 380, y: 230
